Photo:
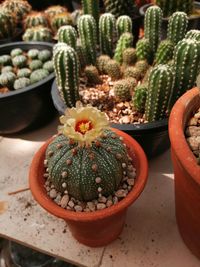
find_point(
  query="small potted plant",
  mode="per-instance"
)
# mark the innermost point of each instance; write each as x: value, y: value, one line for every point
x: 88, y: 175
x: 185, y: 120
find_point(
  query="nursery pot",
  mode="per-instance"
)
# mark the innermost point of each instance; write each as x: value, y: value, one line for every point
x: 153, y: 137
x: 96, y: 228
x: 186, y: 171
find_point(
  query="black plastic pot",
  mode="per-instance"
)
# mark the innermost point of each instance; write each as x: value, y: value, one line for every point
x: 153, y: 137
x: 16, y: 37
x: 30, y: 107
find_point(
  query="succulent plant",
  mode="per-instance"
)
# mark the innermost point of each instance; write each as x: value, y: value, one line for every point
x: 164, y: 52
x: 81, y: 56
x: 170, y: 6
x: 49, y: 66
x: 139, y: 97
x: 23, y: 73
x: 88, y: 36
x: 132, y: 72
x: 193, y: 34
x: 44, y: 55
x: 107, y: 33
x: 112, y: 68
x: 92, y: 75
x: 51, y: 11
x: 91, y: 7
x: 124, y: 42
x: 35, y: 19
x: 38, y: 75
x: 35, y: 64
x: 152, y: 26
x: 19, y: 61
x: 160, y: 86
x: 144, y: 51
x: 67, y: 78
x: 123, y: 24
x: 129, y: 56
x: 16, y: 52
x: 122, y: 90
x: 5, y: 60
x: 177, y: 27
x: 67, y: 34
x: 33, y: 53
x: 101, y: 63
x: 60, y: 20
x: 7, y: 79
x: 38, y: 33
x: 133, y: 83
x: 142, y: 66
x: 7, y: 69
x: 7, y: 24
x: 21, y: 83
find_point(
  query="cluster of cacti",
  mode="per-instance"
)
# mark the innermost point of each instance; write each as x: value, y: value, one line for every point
x: 144, y: 51
x: 193, y: 34
x: 38, y: 33
x: 107, y: 33
x: 54, y: 10
x: 67, y: 34
x: 139, y: 97
x: 7, y: 24
x: 164, y: 52
x: 112, y: 68
x: 101, y: 63
x: 91, y: 7
x: 122, y: 90
x: 125, y: 41
x: 92, y: 75
x: 129, y: 56
x: 170, y: 6
x: 67, y: 78
x: 123, y: 24
x: 35, y: 19
x: 60, y: 20
x: 121, y: 7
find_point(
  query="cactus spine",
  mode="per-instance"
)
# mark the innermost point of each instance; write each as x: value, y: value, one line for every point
x: 122, y: 90
x: 92, y: 75
x: 67, y: 34
x: 177, y: 27
x: 87, y: 33
x: 160, y: 86
x: 107, y: 33
x: 91, y: 7
x: 164, y: 52
x: 123, y: 24
x: 152, y: 26
x: 67, y: 73
x: 124, y: 42
x: 143, y: 50
x: 129, y: 56
x: 170, y: 6
x: 139, y: 97
x: 193, y: 34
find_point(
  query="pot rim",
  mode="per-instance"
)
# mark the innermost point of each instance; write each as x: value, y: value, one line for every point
x: 32, y: 86
x: 48, y: 204
x: 177, y: 137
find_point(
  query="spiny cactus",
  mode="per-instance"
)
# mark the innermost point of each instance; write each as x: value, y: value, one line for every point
x: 5, y: 60
x: 152, y: 26
x: 160, y: 85
x: 129, y: 56
x: 112, y: 68
x: 142, y: 66
x: 38, y: 33
x: 38, y: 75
x: 35, y: 64
x: 193, y: 34
x: 123, y: 24
x: 125, y: 41
x: 54, y: 10
x: 101, y: 63
x: 91, y: 7
x: 107, y: 33
x: 170, y: 6
x: 7, y: 79
x: 19, y: 61
x: 177, y: 27
x: 164, y: 52
x: 139, y: 97
x: 92, y: 75
x: 21, y: 83
x: 23, y: 73
x: 88, y: 36
x: 132, y: 72
x: 67, y: 34
x: 133, y: 82
x: 67, y: 78
x: 44, y: 55
x: 144, y: 51
x: 7, y: 24
x: 81, y: 56
x: 16, y: 52
x: 35, y: 19
x: 122, y: 90
x: 49, y: 66
x: 60, y: 20
x: 33, y: 53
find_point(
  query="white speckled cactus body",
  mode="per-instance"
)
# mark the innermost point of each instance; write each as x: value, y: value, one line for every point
x: 123, y: 24
x: 124, y: 42
x: 164, y: 52
x: 193, y: 34
x: 67, y: 34
x: 144, y: 51
x: 66, y: 68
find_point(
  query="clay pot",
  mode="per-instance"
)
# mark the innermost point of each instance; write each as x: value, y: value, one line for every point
x: 91, y: 228
x: 186, y: 170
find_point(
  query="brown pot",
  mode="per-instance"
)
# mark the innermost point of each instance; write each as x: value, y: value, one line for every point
x: 91, y: 228
x: 186, y: 170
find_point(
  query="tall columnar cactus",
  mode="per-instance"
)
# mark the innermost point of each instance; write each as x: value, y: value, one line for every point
x: 91, y: 7
x: 123, y: 24
x: 59, y: 20
x: 152, y: 26
x: 164, y: 52
x: 177, y: 27
x: 7, y: 24
x: 170, y: 6
x: 144, y: 51
x: 66, y: 68
x: 107, y: 33
x: 193, y: 34
x: 125, y: 41
x: 38, y: 33
x: 88, y: 36
x: 186, y: 67
x: 160, y: 85
x: 67, y: 34
x: 34, y: 19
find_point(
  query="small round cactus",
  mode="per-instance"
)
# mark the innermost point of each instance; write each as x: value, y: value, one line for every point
x: 35, y: 19
x: 67, y: 34
x: 101, y: 63
x: 92, y: 75
x: 139, y: 97
x: 123, y: 24
x: 112, y: 68
x: 16, y: 52
x: 23, y: 73
x: 7, y: 69
x: 164, y: 52
x: 35, y: 64
x: 81, y: 56
x: 38, y: 75
x: 60, y: 20
x: 33, y: 53
x: 142, y: 66
x: 132, y: 72
x: 144, y: 51
x: 5, y: 60
x: 133, y: 82
x: 38, y: 33
x: 122, y: 90
x: 49, y: 66
x: 19, y: 61
x: 21, y: 83
x: 44, y: 55
x: 7, y: 79
x: 129, y: 56
x: 51, y: 11
x: 125, y: 41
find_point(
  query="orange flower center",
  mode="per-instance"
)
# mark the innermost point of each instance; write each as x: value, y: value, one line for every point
x: 83, y: 126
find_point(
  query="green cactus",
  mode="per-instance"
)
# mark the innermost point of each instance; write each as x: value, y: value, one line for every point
x: 101, y: 63
x: 129, y: 56
x: 112, y: 68
x: 107, y: 33
x: 52, y: 11
x: 7, y: 79
x: 133, y: 83
x: 35, y: 19
x: 67, y: 34
x: 44, y: 55
x: 7, y: 24
x: 193, y: 34
x: 81, y: 56
x: 35, y: 64
x: 144, y: 51
x: 19, y: 61
x: 177, y: 27
x: 142, y: 66
x: 38, y: 33
x: 139, y: 97
x: 92, y: 75
x: 21, y: 83
x: 60, y: 20
x: 152, y: 26
x: 124, y: 42
x: 5, y: 60
x: 88, y: 36
x: 33, y: 53
x: 164, y: 52
x: 132, y: 72
x: 98, y: 169
x: 38, y: 75
x: 16, y: 52
x: 49, y: 66
x: 7, y: 69
x: 23, y: 73
x: 160, y: 86
x: 147, y: 74
x: 91, y: 7
x: 122, y: 90
x: 67, y: 78
x: 123, y: 24
x: 170, y: 6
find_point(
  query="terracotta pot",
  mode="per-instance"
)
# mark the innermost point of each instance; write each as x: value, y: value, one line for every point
x: 91, y: 228
x: 186, y: 170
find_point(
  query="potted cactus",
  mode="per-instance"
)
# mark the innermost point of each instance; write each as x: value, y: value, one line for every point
x: 186, y: 168
x: 88, y: 175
